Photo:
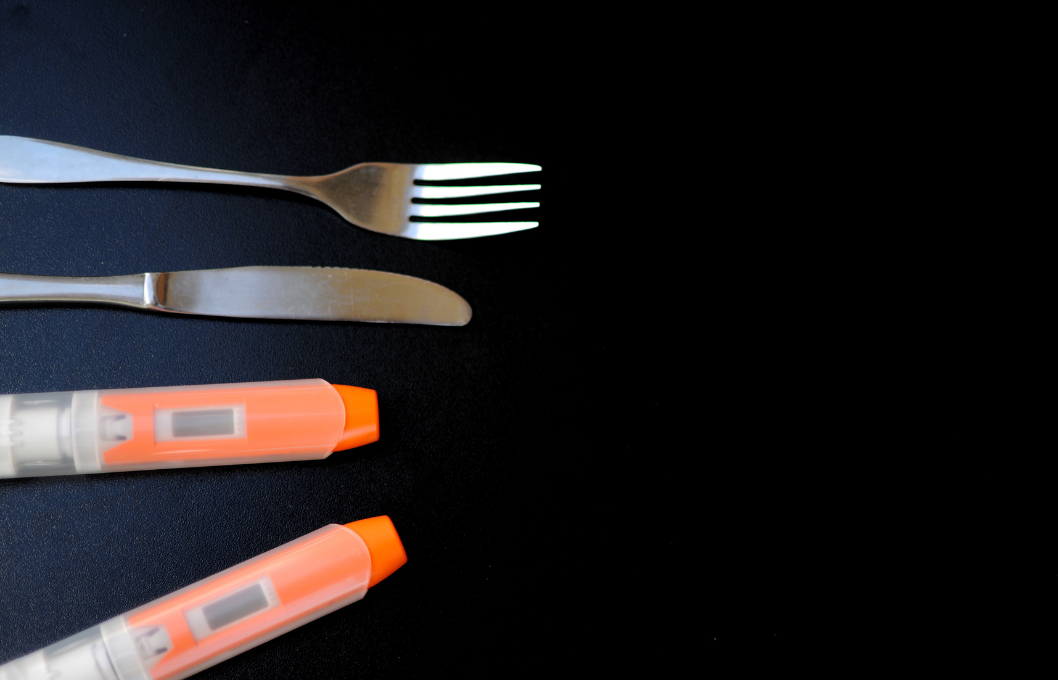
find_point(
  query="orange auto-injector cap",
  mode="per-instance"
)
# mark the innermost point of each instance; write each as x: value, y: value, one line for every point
x: 383, y: 543
x: 361, y: 416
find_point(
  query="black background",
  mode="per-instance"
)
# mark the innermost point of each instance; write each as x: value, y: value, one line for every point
x: 592, y: 471
x: 529, y: 460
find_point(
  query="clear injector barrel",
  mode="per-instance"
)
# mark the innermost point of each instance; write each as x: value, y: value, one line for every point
x: 213, y: 620
x: 67, y: 433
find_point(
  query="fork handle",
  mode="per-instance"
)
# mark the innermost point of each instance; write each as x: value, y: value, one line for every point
x: 135, y: 290
x: 34, y: 161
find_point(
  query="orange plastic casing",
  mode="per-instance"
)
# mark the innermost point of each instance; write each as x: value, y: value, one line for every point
x: 192, y: 629
x: 312, y: 576
x: 288, y: 420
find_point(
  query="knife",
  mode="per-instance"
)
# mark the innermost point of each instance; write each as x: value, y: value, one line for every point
x: 304, y: 293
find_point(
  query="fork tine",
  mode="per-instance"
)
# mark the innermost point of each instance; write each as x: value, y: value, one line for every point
x: 443, y: 231
x: 443, y: 171
x: 460, y: 192
x: 426, y: 210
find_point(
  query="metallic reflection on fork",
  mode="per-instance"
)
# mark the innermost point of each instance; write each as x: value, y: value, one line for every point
x: 375, y: 196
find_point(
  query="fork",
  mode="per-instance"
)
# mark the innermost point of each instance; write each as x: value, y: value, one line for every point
x: 375, y: 196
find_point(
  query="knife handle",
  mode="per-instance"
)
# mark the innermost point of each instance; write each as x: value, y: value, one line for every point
x: 135, y: 290
x: 34, y: 161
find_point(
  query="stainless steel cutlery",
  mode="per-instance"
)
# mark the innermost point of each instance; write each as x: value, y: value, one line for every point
x: 377, y: 196
x: 382, y: 197
x: 305, y: 293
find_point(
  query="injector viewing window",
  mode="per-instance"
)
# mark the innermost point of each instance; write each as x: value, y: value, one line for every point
x: 236, y: 606
x: 203, y: 423
x: 220, y: 422
x: 232, y: 608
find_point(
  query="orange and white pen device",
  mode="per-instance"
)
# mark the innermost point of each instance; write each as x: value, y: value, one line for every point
x: 224, y: 615
x: 67, y: 433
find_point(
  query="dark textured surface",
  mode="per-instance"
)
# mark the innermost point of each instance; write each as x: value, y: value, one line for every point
x: 475, y: 421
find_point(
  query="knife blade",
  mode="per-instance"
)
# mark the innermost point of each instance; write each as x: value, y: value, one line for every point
x: 300, y: 293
